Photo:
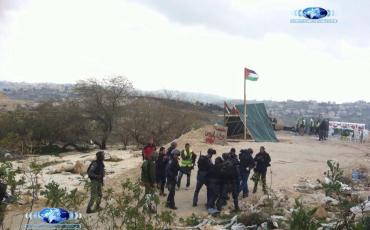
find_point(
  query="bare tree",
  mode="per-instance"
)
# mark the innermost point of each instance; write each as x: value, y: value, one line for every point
x: 149, y: 117
x: 102, y: 102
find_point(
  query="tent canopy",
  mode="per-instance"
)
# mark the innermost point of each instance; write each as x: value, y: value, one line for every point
x: 258, y: 123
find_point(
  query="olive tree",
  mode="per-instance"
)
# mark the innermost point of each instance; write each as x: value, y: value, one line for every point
x: 101, y: 102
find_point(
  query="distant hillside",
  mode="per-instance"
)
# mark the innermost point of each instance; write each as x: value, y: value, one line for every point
x: 187, y: 96
x: 35, y: 91
x: 8, y: 104
x: 49, y: 91
x: 289, y: 111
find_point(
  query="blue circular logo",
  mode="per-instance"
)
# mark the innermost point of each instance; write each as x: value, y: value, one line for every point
x: 54, y: 215
x: 315, y: 13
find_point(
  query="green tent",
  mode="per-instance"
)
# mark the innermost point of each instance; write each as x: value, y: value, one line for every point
x: 258, y: 123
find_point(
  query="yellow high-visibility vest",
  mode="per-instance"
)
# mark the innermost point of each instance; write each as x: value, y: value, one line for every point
x: 187, y: 161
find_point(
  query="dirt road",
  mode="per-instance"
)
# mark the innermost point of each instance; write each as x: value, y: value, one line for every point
x: 293, y: 158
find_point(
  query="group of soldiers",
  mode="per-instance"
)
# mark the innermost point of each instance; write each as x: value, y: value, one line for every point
x: 228, y: 174
x: 318, y: 127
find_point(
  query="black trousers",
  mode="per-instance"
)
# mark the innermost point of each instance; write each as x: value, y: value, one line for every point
x: 321, y: 135
x: 214, y: 195
x: 187, y: 171
x: 201, y: 180
x: 171, y: 195
x: 234, y: 187
x: 161, y: 181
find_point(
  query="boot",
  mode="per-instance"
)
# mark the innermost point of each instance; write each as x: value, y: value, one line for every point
x: 255, y: 188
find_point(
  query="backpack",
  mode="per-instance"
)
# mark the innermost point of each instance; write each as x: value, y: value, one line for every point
x: 203, y: 164
x: 88, y: 169
x: 227, y: 169
x: 245, y: 160
x: 145, y: 171
x: 99, y: 170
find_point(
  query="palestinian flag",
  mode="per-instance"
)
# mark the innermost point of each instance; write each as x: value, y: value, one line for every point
x: 250, y: 75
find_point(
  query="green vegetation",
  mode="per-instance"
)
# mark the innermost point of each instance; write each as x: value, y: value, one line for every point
x: 302, y: 218
x: 192, y: 220
x: 129, y: 209
x: 7, y: 176
x: 335, y: 175
x: 99, y: 112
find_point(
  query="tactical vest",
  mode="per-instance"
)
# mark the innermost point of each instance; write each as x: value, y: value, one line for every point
x: 187, y: 161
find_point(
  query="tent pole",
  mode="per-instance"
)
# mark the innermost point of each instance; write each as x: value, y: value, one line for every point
x: 245, y: 110
x: 224, y: 113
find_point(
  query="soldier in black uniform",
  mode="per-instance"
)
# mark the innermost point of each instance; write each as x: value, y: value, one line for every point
x: 160, y: 170
x: 214, y: 184
x: 204, y: 164
x: 246, y: 164
x: 172, y: 171
x: 96, y: 174
x: 262, y: 160
x: 231, y: 175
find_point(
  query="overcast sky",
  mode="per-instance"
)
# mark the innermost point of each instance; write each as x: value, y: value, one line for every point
x: 191, y: 45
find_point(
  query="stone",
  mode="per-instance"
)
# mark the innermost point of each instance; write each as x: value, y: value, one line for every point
x: 238, y: 226
x: 277, y: 218
x: 361, y: 208
x: 264, y: 201
x: 307, y: 186
x: 45, y: 159
x: 80, y: 167
x: 330, y: 201
x: 321, y: 213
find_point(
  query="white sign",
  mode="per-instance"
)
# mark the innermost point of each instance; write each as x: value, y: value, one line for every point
x: 215, y: 134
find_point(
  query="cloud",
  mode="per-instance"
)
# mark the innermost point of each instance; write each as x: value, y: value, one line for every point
x: 256, y: 19
x: 7, y: 9
x: 7, y: 6
x: 64, y: 41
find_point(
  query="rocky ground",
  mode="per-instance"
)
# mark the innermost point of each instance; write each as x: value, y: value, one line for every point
x: 297, y: 162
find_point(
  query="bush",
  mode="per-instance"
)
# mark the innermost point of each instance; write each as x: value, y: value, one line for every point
x: 192, y: 220
x: 302, y: 218
x: 57, y: 196
x: 53, y: 194
x: 7, y: 176
x: 335, y: 175
x: 129, y: 209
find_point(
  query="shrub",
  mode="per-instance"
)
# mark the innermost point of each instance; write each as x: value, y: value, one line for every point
x: 335, y: 175
x: 192, y: 220
x: 302, y: 218
x: 129, y: 209
x: 53, y: 194
x: 7, y: 176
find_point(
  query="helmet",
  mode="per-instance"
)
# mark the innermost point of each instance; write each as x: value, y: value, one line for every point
x: 175, y: 152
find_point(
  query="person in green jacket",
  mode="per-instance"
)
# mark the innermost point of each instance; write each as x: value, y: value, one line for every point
x: 148, y: 175
x: 188, y: 158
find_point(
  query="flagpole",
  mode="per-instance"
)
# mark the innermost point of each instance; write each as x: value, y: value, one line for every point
x: 245, y: 109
